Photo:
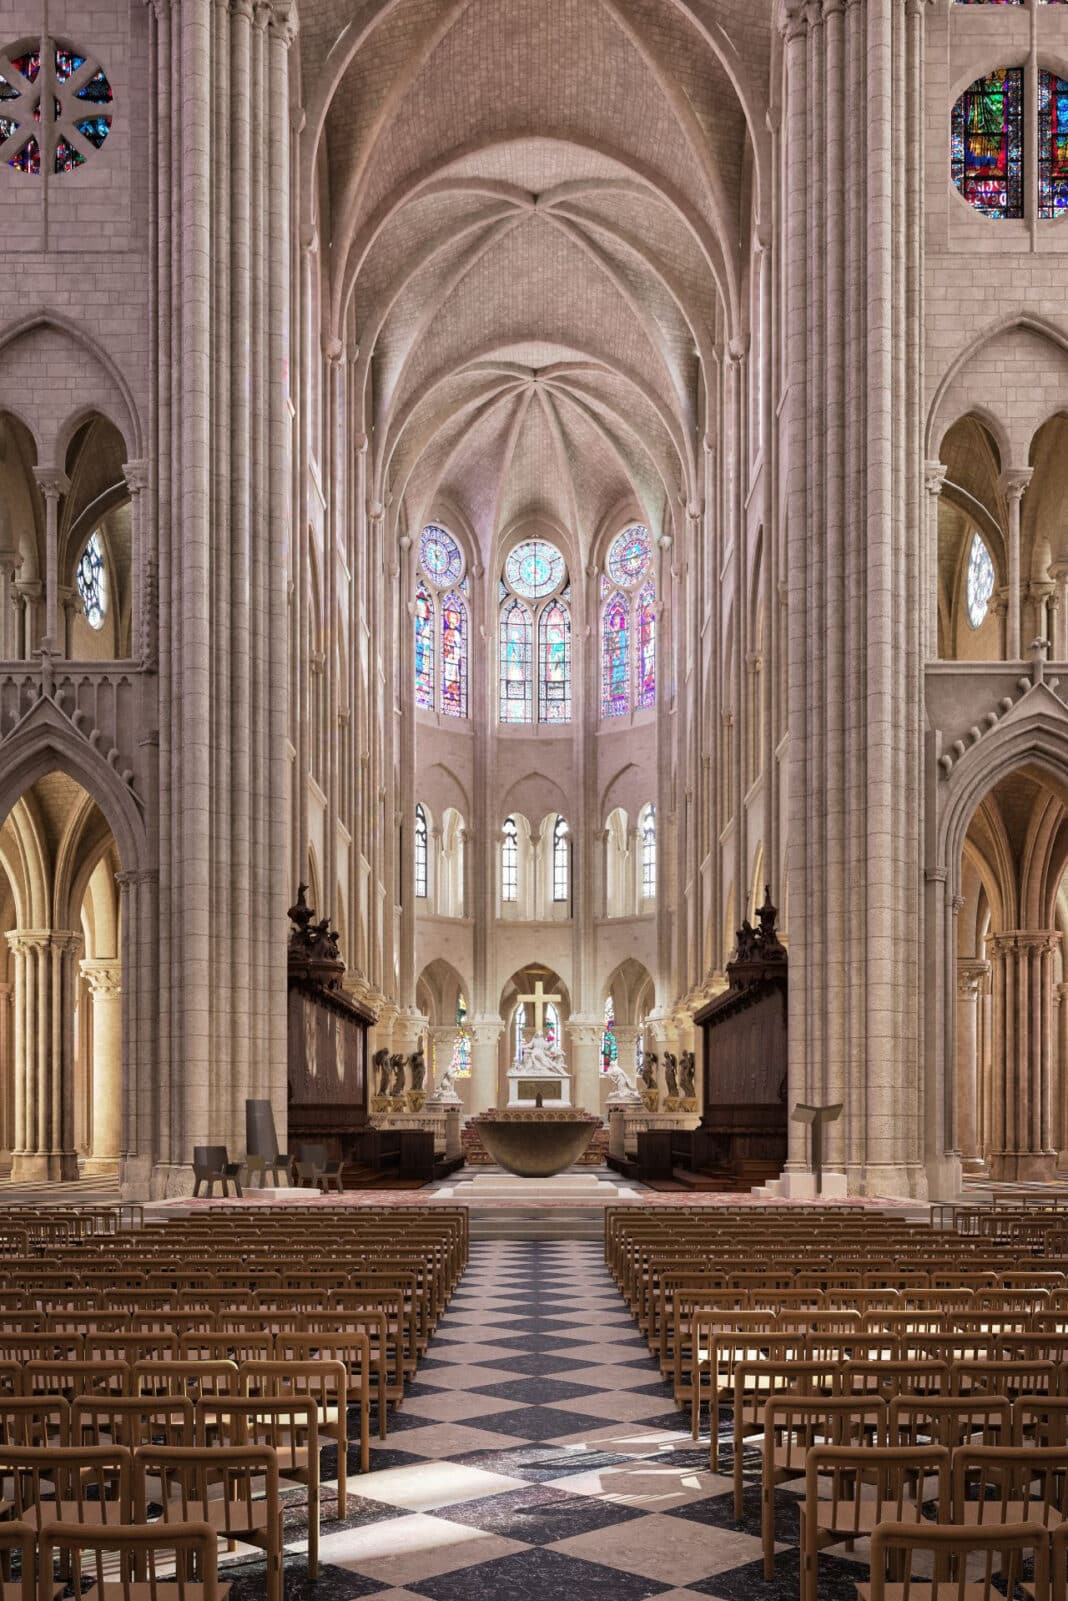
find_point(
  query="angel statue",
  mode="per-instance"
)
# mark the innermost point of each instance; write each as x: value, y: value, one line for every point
x: 670, y: 1072
x: 647, y: 1071
x: 417, y: 1067
x: 398, y: 1063
x: 687, y: 1074
x: 380, y: 1062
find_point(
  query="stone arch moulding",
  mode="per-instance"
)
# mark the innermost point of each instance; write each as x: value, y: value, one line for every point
x: 128, y: 424
x: 937, y: 427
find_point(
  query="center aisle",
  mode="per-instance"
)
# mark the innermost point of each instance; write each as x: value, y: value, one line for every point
x: 539, y: 1457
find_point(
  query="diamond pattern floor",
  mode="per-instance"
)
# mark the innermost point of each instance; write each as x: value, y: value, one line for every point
x: 539, y: 1457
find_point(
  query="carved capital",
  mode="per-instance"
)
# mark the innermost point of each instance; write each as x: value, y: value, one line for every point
x: 52, y: 482
x: 103, y: 976
x: 1014, y: 481
x: 136, y: 475
x: 934, y: 477
x: 970, y: 976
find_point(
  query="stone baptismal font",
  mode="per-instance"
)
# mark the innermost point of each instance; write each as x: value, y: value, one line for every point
x: 539, y: 1132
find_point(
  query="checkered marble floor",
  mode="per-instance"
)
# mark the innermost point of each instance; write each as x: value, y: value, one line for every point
x: 538, y: 1457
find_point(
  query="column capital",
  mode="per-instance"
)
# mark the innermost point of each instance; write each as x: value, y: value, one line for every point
x: 103, y: 974
x: 1043, y: 940
x: 143, y: 875
x: 970, y: 975
x: 934, y: 477
x: 52, y: 482
x: 43, y: 939
x: 1014, y: 481
x: 136, y: 475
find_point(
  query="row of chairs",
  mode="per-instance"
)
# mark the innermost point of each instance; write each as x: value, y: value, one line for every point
x: 121, y: 1562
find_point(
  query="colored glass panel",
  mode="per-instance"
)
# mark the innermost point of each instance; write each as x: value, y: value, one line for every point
x: 615, y: 658
x: 95, y: 129
x: 454, y: 656
x: 554, y: 653
x: 461, y: 1048
x: 646, y: 695
x: 551, y: 1026
x: 516, y: 665
x: 509, y: 860
x: 648, y: 838
x: 67, y: 158
x: 440, y: 556
x: 424, y: 649
x: 987, y: 143
x: 520, y: 1025
x: 28, y: 159
x: 421, y: 843
x: 535, y: 569
x: 7, y: 128
x: 629, y: 555
x: 92, y: 581
x: 1052, y: 145
x: 97, y: 90
x: 28, y: 64
x: 609, y: 1043
x: 67, y: 64
x: 7, y: 90
x: 561, y: 861
x: 980, y: 580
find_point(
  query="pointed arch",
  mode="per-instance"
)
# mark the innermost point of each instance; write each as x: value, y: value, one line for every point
x: 554, y: 664
x: 423, y: 623
x: 516, y: 664
x: 645, y: 681
x: 615, y: 657
x: 454, y: 638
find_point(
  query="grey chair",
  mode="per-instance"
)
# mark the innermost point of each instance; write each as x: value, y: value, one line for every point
x: 211, y: 1166
x: 262, y: 1155
x: 314, y: 1167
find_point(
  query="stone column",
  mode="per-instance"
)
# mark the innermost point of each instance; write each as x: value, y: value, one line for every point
x: 53, y: 484
x: 143, y: 574
x: 1021, y: 1144
x: 10, y: 562
x: 104, y: 978
x: 934, y: 477
x: 381, y: 1032
x: 1058, y: 605
x: 7, y: 1088
x: 584, y: 1061
x: 485, y: 1064
x: 45, y: 988
x: 1060, y: 1122
x: 970, y: 976
x: 1013, y: 483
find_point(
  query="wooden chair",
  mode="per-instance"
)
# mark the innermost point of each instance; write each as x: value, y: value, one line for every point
x: 88, y: 1484
x: 793, y: 1424
x: 994, y: 1484
x: 869, y: 1486
x: 950, y: 1553
x: 218, y: 1486
x: 193, y: 1379
x: 315, y: 1168
x: 17, y: 1539
x: 325, y: 1384
x: 755, y: 1384
x: 352, y: 1350
x: 132, y: 1420
x: 894, y: 1378
x: 289, y: 1426
x: 211, y: 1166
x: 185, y: 1549
x: 70, y: 1379
x: 33, y: 1420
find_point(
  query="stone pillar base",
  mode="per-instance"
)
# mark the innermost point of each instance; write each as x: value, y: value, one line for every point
x: 799, y: 1184
x: 92, y: 1166
x: 52, y: 1167
x: 1006, y: 1167
x: 890, y: 1181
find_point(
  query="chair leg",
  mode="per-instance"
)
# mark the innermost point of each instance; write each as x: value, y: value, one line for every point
x: 767, y: 1528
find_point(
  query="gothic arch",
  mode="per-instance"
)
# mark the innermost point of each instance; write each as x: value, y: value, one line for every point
x: 937, y: 425
x: 113, y: 400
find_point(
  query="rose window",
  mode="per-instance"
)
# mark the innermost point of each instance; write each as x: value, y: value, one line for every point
x: 55, y: 107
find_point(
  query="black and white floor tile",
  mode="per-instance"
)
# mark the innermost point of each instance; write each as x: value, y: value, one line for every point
x: 537, y: 1457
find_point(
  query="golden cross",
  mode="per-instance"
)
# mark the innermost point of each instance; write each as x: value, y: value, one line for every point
x: 539, y: 1000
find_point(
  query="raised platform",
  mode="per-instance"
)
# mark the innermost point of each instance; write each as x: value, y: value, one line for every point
x: 562, y: 1189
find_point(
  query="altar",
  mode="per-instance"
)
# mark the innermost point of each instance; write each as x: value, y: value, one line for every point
x: 541, y: 1075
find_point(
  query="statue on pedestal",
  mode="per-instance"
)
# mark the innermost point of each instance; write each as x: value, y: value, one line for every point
x: 398, y: 1063
x: 444, y: 1092
x: 670, y: 1072
x: 623, y: 1092
x: 647, y: 1071
x: 417, y: 1068
x: 380, y: 1062
x: 687, y: 1074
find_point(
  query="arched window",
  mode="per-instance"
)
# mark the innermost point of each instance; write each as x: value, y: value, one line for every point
x: 551, y: 1029
x: 441, y: 625
x: 69, y: 126
x: 454, y: 656
x: 987, y: 143
x: 92, y: 580
x: 554, y: 663
x: 646, y: 694
x: 609, y: 1043
x: 461, y: 1047
x: 517, y: 689
x: 424, y: 649
x: 615, y: 665
x: 980, y: 580
x: 561, y: 861
x: 647, y: 831
x: 509, y: 860
x: 534, y: 594
x: 520, y: 1025
x: 628, y: 624
x: 420, y: 852
x: 1052, y: 145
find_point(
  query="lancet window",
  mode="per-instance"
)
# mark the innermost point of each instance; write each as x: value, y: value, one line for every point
x: 441, y: 625
x: 534, y: 605
x: 628, y: 624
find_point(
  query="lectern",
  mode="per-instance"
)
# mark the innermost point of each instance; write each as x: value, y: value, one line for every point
x: 817, y: 1117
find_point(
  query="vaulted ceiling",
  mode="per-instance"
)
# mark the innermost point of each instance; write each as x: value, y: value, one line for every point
x: 535, y: 218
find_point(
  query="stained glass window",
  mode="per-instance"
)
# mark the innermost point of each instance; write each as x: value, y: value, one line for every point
x: 517, y: 631
x: 29, y: 81
x: 520, y: 1025
x: 440, y: 556
x: 646, y: 690
x: 609, y: 1043
x: 454, y: 656
x: 461, y: 1045
x: 424, y: 649
x: 420, y: 852
x: 535, y: 569
x: 509, y: 860
x: 1052, y: 145
x: 647, y: 829
x: 980, y: 580
x: 92, y: 580
x: 615, y: 658
x: 561, y: 861
x: 987, y: 143
x: 629, y: 555
x: 554, y: 658
x: 551, y: 1027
